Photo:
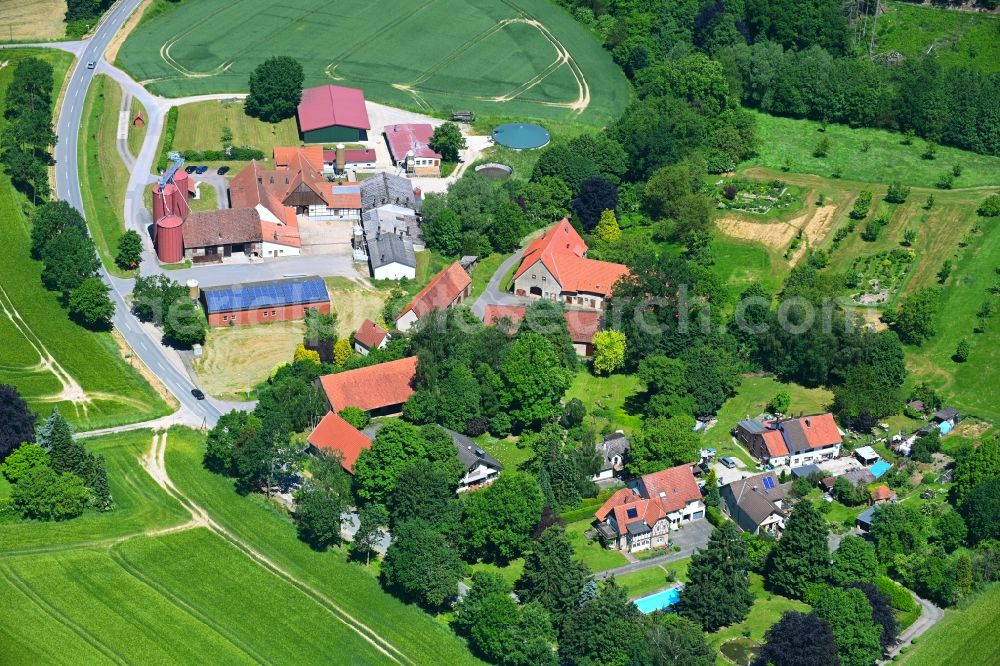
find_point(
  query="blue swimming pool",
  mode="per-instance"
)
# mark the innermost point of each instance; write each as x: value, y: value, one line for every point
x: 879, y: 468
x: 659, y: 601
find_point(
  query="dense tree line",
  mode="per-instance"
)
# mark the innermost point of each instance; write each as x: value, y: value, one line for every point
x: 28, y: 137
x: 797, y: 59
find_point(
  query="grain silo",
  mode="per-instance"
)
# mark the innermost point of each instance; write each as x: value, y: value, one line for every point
x: 169, y: 238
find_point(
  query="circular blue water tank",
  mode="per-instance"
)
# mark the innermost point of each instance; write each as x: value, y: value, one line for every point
x: 521, y: 136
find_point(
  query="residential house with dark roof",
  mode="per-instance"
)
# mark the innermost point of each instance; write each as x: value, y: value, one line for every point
x: 581, y: 324
x: 756, y: 504
x: 445, y: 290
x: 642, y: 515
x: 262, y: 302
x: 388, y: 188
x: 612, y: 452
x: 391, y: 257
x: 481, y: 469
x: 333, y: 435
x: 409, y: 147
x: 555, y: 267
x: 792, y: 442
x: 380, y: 389
x: 370, y: 336
x: 333, y: 113
x: 392, y: 219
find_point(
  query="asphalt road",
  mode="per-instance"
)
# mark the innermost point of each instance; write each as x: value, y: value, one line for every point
x: 68, y: 189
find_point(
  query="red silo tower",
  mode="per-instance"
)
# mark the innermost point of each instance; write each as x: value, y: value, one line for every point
x: 183, y: 184
x: 164, y: 202
x: 169, y: 239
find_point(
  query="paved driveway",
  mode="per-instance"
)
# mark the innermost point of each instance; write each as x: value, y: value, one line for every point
x: 688, y: 538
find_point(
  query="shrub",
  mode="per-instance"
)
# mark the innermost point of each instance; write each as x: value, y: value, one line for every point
x: 233, y: 153
x: 356, y: 416
x: 169, y: 130
x: 822, y: 148
x: 874, y: 229
x: 909, y: 236
x: 897, y: 193
x: 729, y: 191
x: 714, y: 515
x: 928, y: 478
x: 44, y: 494
x: 945, y: 182
x: 899, y: 596
x: 930, y: 202
x: 861, y: 205
x: 930, y: 151
x: 962, y: 351
x: 990, y: 207
x: 956, y: 170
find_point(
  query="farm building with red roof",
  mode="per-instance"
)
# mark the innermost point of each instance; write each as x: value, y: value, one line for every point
x: 581, y: 324
x: 409, y: 146
x: 333, y: 113
x: 336, y: 436
x: 445, y: 290
x: 641, y: 516
x: 380, y: 389
x: 370, y: 336
x: 555, y: 267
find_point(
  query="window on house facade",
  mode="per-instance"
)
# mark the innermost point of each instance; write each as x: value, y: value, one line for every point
x: 265, y: 313
x: 273, y: 312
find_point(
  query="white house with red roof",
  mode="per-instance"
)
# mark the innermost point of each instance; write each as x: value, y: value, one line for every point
x: 370, y: 336
x: 409, y: 147
x: 445, y: 290
x: 793, y: 442
x: 555, y: 267
x: 642, y: 515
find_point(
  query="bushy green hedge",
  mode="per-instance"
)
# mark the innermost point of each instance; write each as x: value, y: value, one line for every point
x: 245, y: 154
x: 169, y: 130
x: 899, y: 596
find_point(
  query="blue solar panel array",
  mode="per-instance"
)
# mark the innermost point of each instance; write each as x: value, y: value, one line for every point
x: 265, y: 295
x: 768, y: 483
x: 347, y: 189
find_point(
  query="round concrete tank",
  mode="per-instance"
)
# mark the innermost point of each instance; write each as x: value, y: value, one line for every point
x: 193, y: 290
x: 169, y: 239
x: 163, y: 201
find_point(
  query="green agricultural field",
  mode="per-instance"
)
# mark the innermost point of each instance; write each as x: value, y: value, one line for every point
x: 103, y: 175
x: 51, y: 360
x: 955, y: 38
x: 886, y: 160
x: 964, y: 636
x: 523, y: 58
x: 269, y: 530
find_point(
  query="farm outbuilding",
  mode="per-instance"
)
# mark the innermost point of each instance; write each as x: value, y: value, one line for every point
x: 261, y: 302
x: 333, y: 113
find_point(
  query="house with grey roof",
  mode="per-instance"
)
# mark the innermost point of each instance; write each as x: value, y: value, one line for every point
x: 480, y: 467
x: 388, y: 188
x: 393, y: 219
x: 756, y: 504
x: 392, y: 257
x: 612, y: 452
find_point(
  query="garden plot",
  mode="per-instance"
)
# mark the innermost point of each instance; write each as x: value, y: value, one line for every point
x: 756, y: 197
x: 878, y: 277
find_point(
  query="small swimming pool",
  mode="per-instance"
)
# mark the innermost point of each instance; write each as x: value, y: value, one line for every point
x: 879, y: 468
x: 945, y: 427
x: 660, y: 600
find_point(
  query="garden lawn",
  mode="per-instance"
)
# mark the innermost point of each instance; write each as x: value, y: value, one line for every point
x: 117, y: 393
x: 739, y: 263
x: 483, y: 271
x: 354, y: 301
x: 750, y: 400
x: 767, y: 609
x: 270, y: 531
x: 887, y: 159
x: 605, y: 399
x: 510, y: 573
x: 103, y: 176
x: 647, y: 581
x: 592, y: 553
x: 474, y: 54
x: 966, y: 634
x: 974, y: 386
x: 238, y: 358
x: 505, y: 450
x: 959, y: 38
x: 200, y: 125
x: 140, y: 504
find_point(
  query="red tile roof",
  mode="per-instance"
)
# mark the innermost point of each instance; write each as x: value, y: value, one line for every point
x: 561, y: 250
x: 410, y: 136
x: 443, y: 289
x: 659, y: 494
x: 346, y: 195
x: 288, y: 156
x: 328, y: 105
x: 882, y: 493
x: 336, y: 435
x: 255, y: 186
x: 350, y: 156
x: 370, y: 335
x: 371, y: 387
x: 775, y: 443
x: 582, y: 324
x: 820, y: 430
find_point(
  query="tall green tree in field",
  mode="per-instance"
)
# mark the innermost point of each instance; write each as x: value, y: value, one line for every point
x: 850, y: 615
x: 552, y: 575
x: 448, y: 141
x: 663, y: 443
x: 718, y: 592
x: 90, y: 305
x: 275, y: 89
x: 854, y: 561
x: 915, y: 320
x: 129, y: 254
x: 499, y: 519
x: 17, y: 422
x: 422, y: 566
x: 801, y: 556
x: 534, y: 380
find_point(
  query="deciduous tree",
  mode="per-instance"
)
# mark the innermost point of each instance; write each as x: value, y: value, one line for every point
x: 448, y: 141
x: 17, y: 422
x: 129, y: 253
x: 850, y: 615
x: 499, y: 519
x: 275, y: 89
x: 854, y: 561
x: 799, y: 639
x: 609, y: 351
x: 44, y: 494
x: 663, y: 442
x: 372, y: 520
x: 421, y: 566
x: 90, y: 304
x: 24, y: 458
x: 677, y: 641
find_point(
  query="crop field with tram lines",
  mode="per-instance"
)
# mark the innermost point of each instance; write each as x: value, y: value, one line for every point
x: 524, y: 58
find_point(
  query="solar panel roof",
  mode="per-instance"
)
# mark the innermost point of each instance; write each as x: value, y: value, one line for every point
x: 275, y: 293
x: 768, y: 483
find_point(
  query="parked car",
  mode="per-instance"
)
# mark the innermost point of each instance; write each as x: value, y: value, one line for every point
x: 728, y: 462
x: 223, y: 170
x: 190, y: 168
x: 201, y: 169
x: 92, y: 64
x: 198, y: 393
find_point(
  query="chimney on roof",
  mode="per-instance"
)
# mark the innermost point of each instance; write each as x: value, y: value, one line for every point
x: 807, y: 422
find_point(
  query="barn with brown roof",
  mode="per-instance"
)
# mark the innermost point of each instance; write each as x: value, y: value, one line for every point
x: 445, y: 290
x: 380, y: 389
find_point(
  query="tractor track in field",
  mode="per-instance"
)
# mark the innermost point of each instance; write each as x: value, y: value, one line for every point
x: 154, y: 462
